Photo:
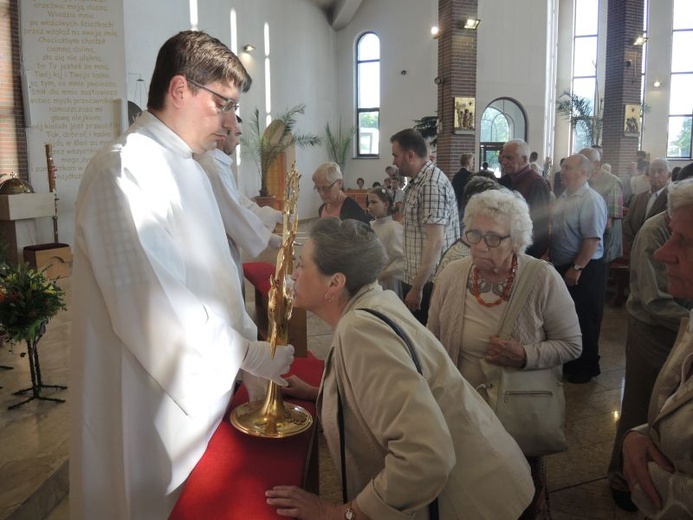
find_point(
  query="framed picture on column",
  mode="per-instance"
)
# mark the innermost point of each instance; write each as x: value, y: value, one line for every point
x: 465, y: 115
x: 631, y: 121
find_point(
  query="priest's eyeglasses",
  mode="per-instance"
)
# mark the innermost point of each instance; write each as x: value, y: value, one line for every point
x: 490, y: 239
x: 228, y: 103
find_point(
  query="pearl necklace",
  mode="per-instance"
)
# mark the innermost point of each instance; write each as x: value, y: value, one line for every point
x: 505, y: 296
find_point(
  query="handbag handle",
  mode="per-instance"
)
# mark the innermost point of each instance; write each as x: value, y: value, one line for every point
x: 433, y: 506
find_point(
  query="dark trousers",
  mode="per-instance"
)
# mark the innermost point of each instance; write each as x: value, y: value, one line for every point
x: 422, y: 313
x: 647, y: 348
x: 588, y: 296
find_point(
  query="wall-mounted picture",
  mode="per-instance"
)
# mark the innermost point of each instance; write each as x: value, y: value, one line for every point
x: 465, y: 115
x: 631, y: 120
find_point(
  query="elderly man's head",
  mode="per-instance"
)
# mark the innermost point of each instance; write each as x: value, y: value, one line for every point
x: 594, y: 157
x: 575, y: 172
x: 677, y: 252
x: 660, y: 174
x: 514, y: 156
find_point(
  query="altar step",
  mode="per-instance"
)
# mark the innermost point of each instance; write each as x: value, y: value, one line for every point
x: 44, y: 500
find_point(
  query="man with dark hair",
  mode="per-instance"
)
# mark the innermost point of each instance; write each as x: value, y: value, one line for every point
x: 159, y: 324
x: 461, y: 178
x: 519, y: 176
x: 431, y: 220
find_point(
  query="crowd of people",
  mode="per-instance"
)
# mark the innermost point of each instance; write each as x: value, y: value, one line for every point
x: 432, y: 292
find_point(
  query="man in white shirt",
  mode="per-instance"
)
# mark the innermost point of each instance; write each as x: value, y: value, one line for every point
x: 247, y: 225
x: 159, y: 324
x: 648, y: 203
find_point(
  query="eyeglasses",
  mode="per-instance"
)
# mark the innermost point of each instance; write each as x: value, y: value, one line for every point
x: 490, y: 239
x: 324, y: 189
x: 226, y: 106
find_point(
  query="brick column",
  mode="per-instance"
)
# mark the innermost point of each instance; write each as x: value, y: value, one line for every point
x: 622, y: 81
x: 457, y: 76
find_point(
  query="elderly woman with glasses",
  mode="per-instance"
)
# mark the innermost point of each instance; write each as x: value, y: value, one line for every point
x: 411, y: 434
x: 472, y: 295
x: 328, y: 181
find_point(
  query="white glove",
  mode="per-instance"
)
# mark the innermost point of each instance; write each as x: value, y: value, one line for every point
x: 256, y: 386
x: 275, y: 241
x: 259, y: 363
x: 279, y: 217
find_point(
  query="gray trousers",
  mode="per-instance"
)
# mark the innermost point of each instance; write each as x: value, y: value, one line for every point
x: 647, y: 348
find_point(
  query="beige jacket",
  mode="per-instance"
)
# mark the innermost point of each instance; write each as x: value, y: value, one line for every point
x: 547, y: 326
x: 670, y: 425
x: 409, y: 438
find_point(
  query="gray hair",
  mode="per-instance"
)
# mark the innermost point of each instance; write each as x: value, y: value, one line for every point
x: 349, y: 247
x: 328, y: 171
x: 592, y: 155
x: 522, y: 147
x: 660, y: 160
x: 505, y: 208
x: 680, y: 195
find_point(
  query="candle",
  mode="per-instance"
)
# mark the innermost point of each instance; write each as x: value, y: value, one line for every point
x: 51, y: 168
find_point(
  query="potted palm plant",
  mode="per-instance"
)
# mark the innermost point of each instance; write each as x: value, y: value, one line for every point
x: 264, y: 146
x: 339, y: 144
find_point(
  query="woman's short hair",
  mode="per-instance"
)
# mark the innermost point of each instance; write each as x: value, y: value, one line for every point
x: 680, y: 195
x: 384, y: 195
x: 504, y: 207
x: 349, y: 247
x: 328, y: 171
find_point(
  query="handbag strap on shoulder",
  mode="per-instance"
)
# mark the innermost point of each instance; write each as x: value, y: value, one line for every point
x: 433, y: 506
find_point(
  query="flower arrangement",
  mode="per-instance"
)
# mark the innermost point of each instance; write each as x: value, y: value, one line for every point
x: 28, y: 300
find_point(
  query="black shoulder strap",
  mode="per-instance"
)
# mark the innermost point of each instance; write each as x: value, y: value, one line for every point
x: 398, y: 330
x: 433, y: 506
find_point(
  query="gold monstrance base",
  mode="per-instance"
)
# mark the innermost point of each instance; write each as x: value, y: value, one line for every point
x: 271, y: 418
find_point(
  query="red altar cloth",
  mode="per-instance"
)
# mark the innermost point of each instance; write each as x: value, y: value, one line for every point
x: 230, y: 480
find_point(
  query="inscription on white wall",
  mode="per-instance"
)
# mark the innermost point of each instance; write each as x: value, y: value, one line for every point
x: 74, y: 74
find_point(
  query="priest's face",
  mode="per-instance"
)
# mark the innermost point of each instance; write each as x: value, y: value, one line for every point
x: 211, y: 115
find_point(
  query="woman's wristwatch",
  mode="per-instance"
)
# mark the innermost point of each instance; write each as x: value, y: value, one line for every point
x: 349, y: 514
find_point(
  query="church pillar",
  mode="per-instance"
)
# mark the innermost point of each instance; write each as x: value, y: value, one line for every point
x: 456, y: 78
x: 622, y: 84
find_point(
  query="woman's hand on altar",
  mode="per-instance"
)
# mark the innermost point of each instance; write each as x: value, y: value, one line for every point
x: 294, y: 502
x: 298, y: 388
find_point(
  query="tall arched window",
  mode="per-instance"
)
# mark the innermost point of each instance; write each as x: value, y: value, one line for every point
x: 584, y: 84
x: 680, y: 105
x: 502, y: 120
x: 368, y: 95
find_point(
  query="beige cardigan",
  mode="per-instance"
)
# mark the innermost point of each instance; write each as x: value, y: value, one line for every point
x: 670, y: 426
x: 411, y: 438
x: 547, y: 326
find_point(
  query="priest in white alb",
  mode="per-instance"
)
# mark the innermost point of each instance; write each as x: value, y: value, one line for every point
x: 159, y: 324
